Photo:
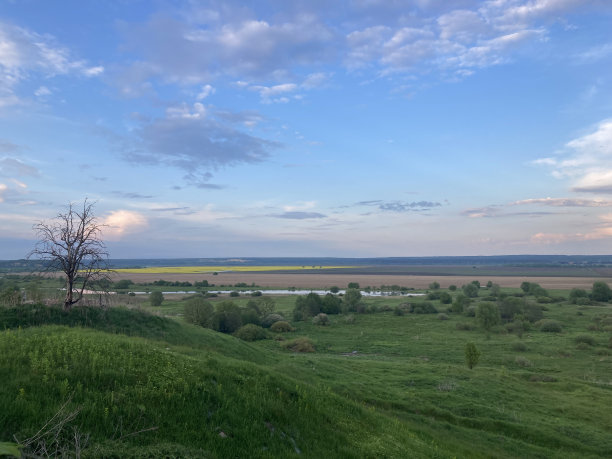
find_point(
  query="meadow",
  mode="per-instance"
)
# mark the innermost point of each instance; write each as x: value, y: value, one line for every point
x: 381, y: 382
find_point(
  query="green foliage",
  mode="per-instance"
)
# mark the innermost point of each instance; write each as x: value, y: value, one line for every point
x: 281, y: 327
x: 601, y: 292
x: 9, y: 449
x: 123, y: 284
x: 423, y: 308
x: 156, y: 298
x: 250, y: 332
x: 487, y: 314
x: 461, y: 302
x: 301, y: 344
x: 250, y: 316
x: 533, y: 312
x: 470, y: 290
x: 266, y: 305
x: 586, y: 339
x: 331, y: 304
x: 550, y: 326
x: 256, y: 293
x: 198, y: 311
x: 452, y: 288
x: 519, y: 346
x: 353, y: 285
x: 227, y: 317
x: 472, y: 355
x: 442, y: 316
x: 352, y: 298
x: 578, y: 296
x: 464, y: 326
x: 270, y: 319
x: 320, y: 319
x: 510, y: 307
x: 434, y: 286
x: 446, y: 298
x: 307, y: 306
x: 334, y: 289
x: 234, y: 293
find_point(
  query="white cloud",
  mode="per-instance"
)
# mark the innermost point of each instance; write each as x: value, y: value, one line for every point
x: 24, y: 52
x: 42, y: 92
x: 206, y: 91
x: 121, y: 222
x: 586, y: 160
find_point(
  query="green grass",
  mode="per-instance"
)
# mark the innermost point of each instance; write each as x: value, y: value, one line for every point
x: 382, y: 386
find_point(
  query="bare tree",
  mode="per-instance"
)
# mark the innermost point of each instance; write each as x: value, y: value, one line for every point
x: 72, y: 243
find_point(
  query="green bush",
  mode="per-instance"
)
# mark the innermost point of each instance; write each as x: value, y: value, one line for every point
x: 442, y: 316
x: 523, y: 361
x: 156, y: 298
x: 487, y: 315
x: 423, y: 308
x: 234, y: 293
x: 307, y: 306
x: 446, y: 298
x: 251, y: 332
x: 227, y: 318
x: 281, y: 327
x: 464, y: 326
x: 198, y: 311
x: 472, y: 355
x: 331, y: 304
x: 470, y: 311
x: 302, y: 344
x: 586, y: 339
x: 270, y: 319
x: 320, y: 319
x: 601, y: 292
x: 550, y: 326
x: 519, y: 346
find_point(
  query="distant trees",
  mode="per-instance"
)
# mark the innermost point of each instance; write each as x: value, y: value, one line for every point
x: 470, y: 290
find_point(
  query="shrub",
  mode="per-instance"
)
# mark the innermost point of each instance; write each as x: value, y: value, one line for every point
x: 519, y: 346
x: 610, y: 342
x: 352, y: 298
x: 464, y: 326
x: 517, y: 326
x: 442, y: 316
x: 398, y: 311
x: 234, y: 293
x: 544, y: 300
x: 533, y: 312
x: 334, y: 289
x: 256, y: 293
x: 250, y: 316
x: 446, y: 298
x: 601, y: 291
x: 307, y: 306
x: 227, y: 318
x: 299, y: 345
x: 434, y: 286
x: 487, y: 315
x: 266, y: 305
x: 550, y: 326
x: 331, y: 304
x: 250, y: 332
x: 586, y: 339
x: 472, y: 355
x: 470, y: 290
x: 452, y: 288
x: 511, y: 306
x: 156, y: 298
x: 353, y: 285
x: 320, y: 319
x: 281, y: 327
x: 470, y: 311
x: 577, y: 294
x: 270, y: 319
x: 198, y: 311
x: 461, y: 302
x: 522, y: 361
x: 423, y: 308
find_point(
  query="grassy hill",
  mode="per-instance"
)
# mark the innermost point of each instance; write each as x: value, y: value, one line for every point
x: 380, y: 384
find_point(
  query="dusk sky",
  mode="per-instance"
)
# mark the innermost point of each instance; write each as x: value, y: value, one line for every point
x: 308, y: 128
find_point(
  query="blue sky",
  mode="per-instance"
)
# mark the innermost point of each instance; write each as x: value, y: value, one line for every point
x: 310, y: 128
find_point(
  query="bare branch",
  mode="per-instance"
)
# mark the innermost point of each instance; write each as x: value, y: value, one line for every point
x: 72, y: 243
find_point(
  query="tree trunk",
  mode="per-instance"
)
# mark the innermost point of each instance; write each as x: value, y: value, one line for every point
x: 68, y: 300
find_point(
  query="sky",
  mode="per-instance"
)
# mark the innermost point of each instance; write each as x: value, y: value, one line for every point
x: 357, y: 128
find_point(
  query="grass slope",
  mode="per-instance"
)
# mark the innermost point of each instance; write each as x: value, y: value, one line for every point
x: 143, y: 398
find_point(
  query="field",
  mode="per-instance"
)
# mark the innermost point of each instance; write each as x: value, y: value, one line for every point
x: 319, y: 280
x: 381, y: 382
x: 160, y: 270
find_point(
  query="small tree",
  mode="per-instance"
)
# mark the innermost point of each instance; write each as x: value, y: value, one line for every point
x: 487, y: 315
x: 601, y: 291
x: 72, y: 243
x: 156, y: 298
x: 472, y: 355
x: 434, y: 286
x: 352, y: 297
